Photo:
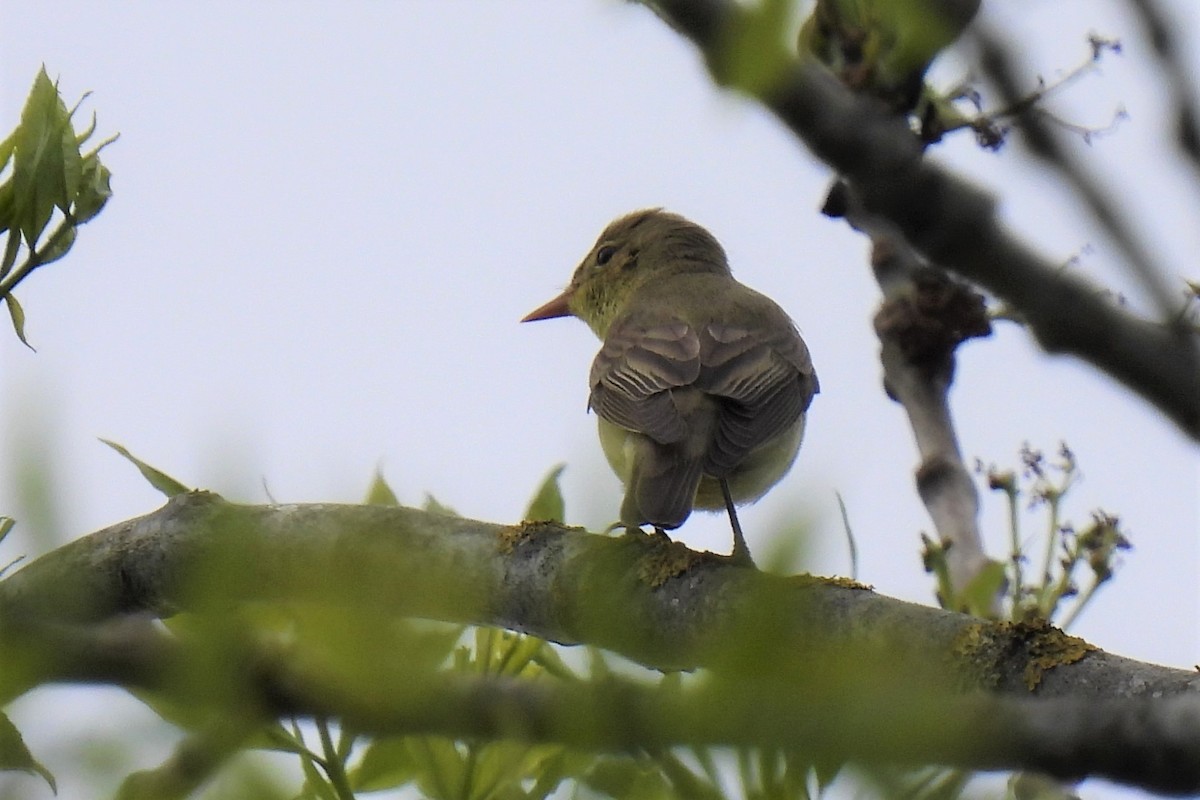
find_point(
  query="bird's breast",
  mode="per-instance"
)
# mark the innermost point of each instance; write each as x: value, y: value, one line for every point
x: 762, y: 468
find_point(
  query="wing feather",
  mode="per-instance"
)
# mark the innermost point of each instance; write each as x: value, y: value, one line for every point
x: 634, y: 372
x: 766, y: 376
x: 761, y: 376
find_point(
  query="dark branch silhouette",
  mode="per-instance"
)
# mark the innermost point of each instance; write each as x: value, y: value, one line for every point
x: 953, y: 224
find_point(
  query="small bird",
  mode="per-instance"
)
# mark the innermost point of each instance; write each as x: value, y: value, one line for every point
x: 701, y: 384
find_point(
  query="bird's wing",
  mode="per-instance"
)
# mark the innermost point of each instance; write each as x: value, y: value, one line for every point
x: 637, y: 365
x: 766, y: 376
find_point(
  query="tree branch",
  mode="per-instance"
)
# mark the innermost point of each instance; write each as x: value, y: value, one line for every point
x: 1162, y: 35
x: 792, y: 662
x: 953, y: 223
x: 923, y: 319
x: 1044, y: 142
x: 661, y: 605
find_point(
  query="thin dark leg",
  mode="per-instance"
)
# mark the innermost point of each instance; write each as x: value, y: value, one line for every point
x: 741, y: 553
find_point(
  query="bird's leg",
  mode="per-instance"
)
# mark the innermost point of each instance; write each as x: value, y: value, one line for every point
x: 741, y: 553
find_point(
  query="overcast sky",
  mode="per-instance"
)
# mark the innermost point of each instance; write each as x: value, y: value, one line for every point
x: 329, y: 216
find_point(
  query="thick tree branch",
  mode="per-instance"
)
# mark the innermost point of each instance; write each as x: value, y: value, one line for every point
x: 793, y: 662
x: 661, y: 605
x: 953, y: 223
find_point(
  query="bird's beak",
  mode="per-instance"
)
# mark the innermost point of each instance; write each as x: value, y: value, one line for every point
x: 555, y: 308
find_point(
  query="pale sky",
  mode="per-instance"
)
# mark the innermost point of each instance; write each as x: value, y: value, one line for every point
x: 329, y: 216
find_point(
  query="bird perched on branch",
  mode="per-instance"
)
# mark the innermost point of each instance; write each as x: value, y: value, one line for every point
x: 701, y: 384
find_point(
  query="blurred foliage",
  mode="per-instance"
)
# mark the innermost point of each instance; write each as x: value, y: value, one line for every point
x: 377, y: 659
x: 342, y: 652
x: 43, y: 170
x: 884, y: 47
x: 547, y: 504
x: 14, y: 755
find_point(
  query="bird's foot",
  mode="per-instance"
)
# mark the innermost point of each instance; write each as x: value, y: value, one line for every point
x: 634, y: 530
x: 740, y: 557
x: 660, y: 532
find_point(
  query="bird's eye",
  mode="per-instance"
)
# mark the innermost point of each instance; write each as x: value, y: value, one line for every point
x: 605, y: 254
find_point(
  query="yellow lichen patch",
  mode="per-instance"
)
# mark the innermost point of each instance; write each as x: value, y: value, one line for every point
x: 986, y: 647
x: 978, y: 649
x: 664, y: 559
x: 512, y: 535
x: 1048, y: 647
x: 846, y: 583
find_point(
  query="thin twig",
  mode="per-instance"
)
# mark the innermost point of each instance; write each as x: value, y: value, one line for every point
x: 1000, y: 65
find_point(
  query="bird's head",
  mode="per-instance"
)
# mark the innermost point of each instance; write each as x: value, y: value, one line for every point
x: 633, y: 252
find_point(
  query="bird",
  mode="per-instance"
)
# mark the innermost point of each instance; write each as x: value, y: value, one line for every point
x: 701, y: 386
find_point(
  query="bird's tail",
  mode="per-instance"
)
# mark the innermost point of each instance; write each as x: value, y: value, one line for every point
x: 662, y: 489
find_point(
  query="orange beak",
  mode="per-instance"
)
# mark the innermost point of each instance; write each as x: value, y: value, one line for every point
x: 555, y: 308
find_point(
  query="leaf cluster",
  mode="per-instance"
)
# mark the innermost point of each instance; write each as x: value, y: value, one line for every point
x: 45, y: 174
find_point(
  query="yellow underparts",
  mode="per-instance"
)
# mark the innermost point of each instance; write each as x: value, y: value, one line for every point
x: 758, y: 472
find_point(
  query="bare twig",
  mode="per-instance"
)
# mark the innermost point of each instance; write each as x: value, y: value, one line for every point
x: 924, y: 317
x: 999, y: 64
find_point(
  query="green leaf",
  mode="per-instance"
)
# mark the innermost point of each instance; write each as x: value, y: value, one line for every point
x: 57, y: 247
x: 501, y: 767
x: 826, y: 771
x: 380, y: 494
x: 627, y: 779
x: 6, y: 149
x: 315, y: 785
x: 386, y: 764
x: 47, y: 164
x: 434, y: 507
x: 18, y: 318
x: 521, y: 651
x: 441, y: 770
x: 979, y: 596
x: 547, y: 503
x: 95, y: 188
x: 559, y: 767
x: 487, y: 641
x: 11, y: 247
x: 87, y: 132
x: 158, y: 479
x: 686, y: 783
x: 7, y: 214
x: 15, y: 756
x: 758, y: 50
x: 549, y: 660
x: 274, y: 737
